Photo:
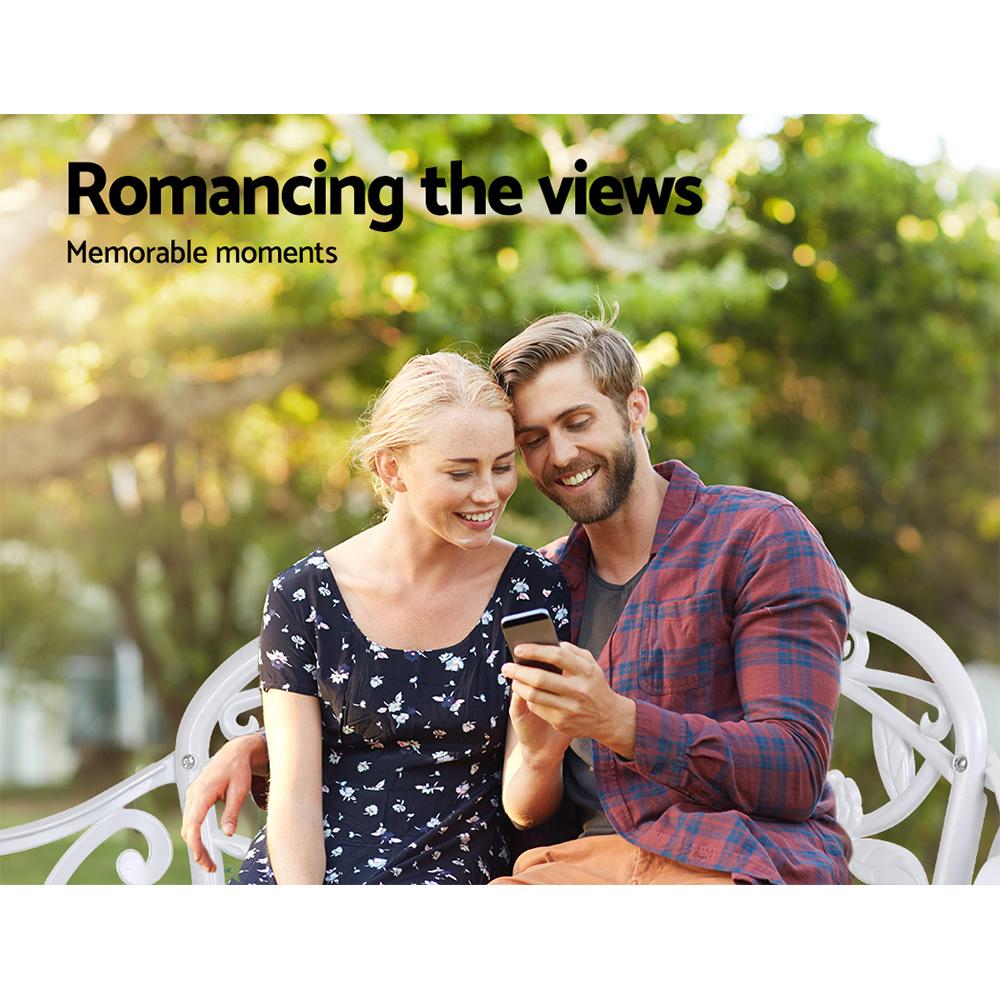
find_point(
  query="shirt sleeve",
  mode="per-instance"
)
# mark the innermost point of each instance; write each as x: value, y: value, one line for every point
x: 552, y: 549
x: 287, y: 658
x: 788, y: 631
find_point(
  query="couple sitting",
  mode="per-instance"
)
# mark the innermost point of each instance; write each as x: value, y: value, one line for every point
x: 689, y: 728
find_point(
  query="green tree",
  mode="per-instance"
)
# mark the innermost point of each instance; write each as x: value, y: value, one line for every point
x: 174, y: 435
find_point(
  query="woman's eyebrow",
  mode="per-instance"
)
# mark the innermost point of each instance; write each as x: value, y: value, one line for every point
x: 475, y: 461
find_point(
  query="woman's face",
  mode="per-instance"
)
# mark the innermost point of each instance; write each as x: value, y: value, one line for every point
x: 459, y: 478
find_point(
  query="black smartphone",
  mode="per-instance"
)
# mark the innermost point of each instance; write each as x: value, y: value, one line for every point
x: 530, y: 626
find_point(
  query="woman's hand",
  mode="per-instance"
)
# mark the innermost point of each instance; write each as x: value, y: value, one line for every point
x: 538, y: 741
x: 532, y: 767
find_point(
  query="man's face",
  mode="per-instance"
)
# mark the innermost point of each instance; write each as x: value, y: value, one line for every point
x: 576, y: 443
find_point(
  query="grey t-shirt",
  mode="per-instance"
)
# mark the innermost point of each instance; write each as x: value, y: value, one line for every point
x: 602, y: 607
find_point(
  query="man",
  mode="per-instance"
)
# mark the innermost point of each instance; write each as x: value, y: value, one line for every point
x: 691, y: 720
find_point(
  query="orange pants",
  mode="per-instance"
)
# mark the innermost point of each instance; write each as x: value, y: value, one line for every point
x: 605, y: 860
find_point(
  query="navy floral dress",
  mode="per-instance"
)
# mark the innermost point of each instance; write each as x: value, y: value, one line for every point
x: 412, y: 739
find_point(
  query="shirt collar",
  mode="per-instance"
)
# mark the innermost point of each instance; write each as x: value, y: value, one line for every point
x: 679, y: 499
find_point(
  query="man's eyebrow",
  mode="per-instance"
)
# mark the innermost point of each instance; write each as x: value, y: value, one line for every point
x: 475, y: 461
x: 519, y: 429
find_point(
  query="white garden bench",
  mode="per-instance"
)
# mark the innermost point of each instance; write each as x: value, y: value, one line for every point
x: 971, y: 766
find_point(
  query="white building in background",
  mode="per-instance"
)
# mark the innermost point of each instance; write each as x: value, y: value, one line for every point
x: 986, y: 680
x: 43, y: 722
x: 34, y: 731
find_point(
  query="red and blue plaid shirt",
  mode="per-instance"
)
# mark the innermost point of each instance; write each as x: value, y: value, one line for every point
x: 730, y: 646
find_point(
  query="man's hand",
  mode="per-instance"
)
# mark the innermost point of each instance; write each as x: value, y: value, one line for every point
x: 227, y: 777
x: 578, y: 702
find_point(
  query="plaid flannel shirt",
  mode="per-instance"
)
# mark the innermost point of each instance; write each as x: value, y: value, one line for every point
x: 730, y: 646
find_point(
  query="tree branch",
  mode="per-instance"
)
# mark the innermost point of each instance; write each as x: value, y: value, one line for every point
x: 125, y: 588
x: 114, y: 139
x: 31, y: 452
x: 626, y: 257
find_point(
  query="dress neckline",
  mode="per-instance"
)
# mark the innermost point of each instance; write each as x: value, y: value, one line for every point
x: 424, y: 652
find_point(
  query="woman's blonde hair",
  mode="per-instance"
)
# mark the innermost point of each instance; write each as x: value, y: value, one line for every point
x: 397, y: 417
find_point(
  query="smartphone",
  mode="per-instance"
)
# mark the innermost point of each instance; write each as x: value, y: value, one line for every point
x: 530, y: 626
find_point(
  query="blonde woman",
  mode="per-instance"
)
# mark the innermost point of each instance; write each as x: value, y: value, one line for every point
x: 384, y: 704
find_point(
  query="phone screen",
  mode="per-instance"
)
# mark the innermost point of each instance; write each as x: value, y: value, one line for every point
x: 530, y: 626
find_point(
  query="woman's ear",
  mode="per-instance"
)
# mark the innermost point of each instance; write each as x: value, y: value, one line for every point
x: 387, y: 469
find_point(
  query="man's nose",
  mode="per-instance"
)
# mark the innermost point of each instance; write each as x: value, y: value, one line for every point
x: 562, y: 451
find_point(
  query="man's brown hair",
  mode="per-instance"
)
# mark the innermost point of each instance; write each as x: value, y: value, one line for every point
x: 609, y: 356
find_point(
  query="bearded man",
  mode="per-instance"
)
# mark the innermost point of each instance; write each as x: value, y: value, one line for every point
x: 689, y: 725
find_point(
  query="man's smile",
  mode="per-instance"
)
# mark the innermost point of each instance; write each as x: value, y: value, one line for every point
x: 578, y: 478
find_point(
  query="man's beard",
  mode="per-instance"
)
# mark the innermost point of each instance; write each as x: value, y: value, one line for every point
x: 620, y: 470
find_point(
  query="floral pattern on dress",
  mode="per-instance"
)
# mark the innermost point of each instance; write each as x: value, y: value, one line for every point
x: 412, y: 739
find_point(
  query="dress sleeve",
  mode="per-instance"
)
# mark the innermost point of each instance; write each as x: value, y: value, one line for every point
x: 558, y: 605
x: 287, y: 644
x: 551, y: 592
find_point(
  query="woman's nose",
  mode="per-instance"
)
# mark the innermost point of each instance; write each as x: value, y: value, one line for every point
x: 484, y: 491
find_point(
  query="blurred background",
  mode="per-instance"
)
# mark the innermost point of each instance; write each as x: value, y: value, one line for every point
x: 173, y: 436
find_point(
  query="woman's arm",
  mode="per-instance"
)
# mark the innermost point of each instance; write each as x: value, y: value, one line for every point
x: 534, y: 751
x: 532, y: 766
x: 295, y: 804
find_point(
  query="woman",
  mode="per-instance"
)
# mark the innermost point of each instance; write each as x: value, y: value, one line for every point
x: 384, y: 704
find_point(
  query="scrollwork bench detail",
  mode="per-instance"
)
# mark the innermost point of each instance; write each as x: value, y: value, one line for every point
x: 972, y: 768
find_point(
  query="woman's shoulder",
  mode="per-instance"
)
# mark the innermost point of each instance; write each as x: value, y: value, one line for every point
x: 322, y: 564
x: 532, y: 581
x: 309, y: 565
x: 300, y: 579
x: 524, y: 560
x: 343, y: 560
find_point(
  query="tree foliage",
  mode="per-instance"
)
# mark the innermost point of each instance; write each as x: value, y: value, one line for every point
x: 175, y: 435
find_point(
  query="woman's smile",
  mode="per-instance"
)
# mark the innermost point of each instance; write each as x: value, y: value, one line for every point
x: 479, y: 520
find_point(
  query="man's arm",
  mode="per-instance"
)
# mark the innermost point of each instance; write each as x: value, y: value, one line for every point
x: 789, y: 626
x: 226, y: 777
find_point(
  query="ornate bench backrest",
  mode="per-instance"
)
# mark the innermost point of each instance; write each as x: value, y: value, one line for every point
x: 219, y: 702
x: 971, y: 766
